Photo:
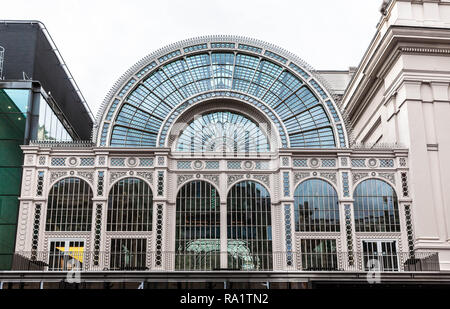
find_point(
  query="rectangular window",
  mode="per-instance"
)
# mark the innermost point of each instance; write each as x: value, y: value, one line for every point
x: 319, y: 254
x: 66, y: 255
x: 380, y: 255
x: 128, y: 254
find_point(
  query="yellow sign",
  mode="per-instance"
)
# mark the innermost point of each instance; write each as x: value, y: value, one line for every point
x: 74, y: 252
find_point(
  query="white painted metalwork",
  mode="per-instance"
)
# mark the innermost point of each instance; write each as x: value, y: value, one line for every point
x: 224, y: 75
x: 2, y: 59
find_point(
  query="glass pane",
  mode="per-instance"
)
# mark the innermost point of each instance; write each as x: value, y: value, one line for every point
x: 197, y: 227
x: 130, y: 205
x: 376, y: 207
x: 316, y: 207
x: 249, y: 227
x: 69, y: 206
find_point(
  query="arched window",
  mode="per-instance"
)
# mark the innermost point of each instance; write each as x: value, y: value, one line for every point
x: 316, y: 207
x: 197, y: 227
x: 223, y: 132
x: 376, y: 207
x: 130, y: 206
x: 154, y: 95
x: 249, y: 227
x: 69, y: 206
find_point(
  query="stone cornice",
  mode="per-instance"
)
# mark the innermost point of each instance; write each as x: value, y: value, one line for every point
x: 397, y: 40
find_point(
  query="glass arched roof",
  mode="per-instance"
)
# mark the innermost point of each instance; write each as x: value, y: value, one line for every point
x: 140, y: 110
x: 222, y: 131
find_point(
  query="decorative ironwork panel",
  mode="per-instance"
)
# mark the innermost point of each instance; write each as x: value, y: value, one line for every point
x: 328, y: 163
x: 286, y: 184
x: 40, y: 183
x: 41, y: 160
x: 262, y: 165
x: 161, y: 160
x: 146, y: 162
x: 387, y: 163
x: 405, y: 190
x: 330, y: 176
x: 300, y: 163
x: 358, y: 163
x: 100, y: 183
x: 409, y: 229
x: 160, y: 183
x: 184, y: 165
x: 36, y: 225
x: 234, y: 165
x: 117, y: 161
x: 288, y: 234
x: 234, y: 178
x: 349, y: 234
x: 97, y: 235
x: 58, y: 161
x: 403, y: 162
x: 87, y: 161
x: 212, y: 165
x: 345, y: 184
x: 388, y: 176
x: 159, y: 233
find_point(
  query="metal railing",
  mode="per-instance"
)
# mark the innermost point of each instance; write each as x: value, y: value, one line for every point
x: 231, y: 261
x: 62, y: 144
x: 2, y: 57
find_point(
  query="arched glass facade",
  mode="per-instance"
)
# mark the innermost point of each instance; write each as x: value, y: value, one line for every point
x: 249, y: 227
x: 130, y: 206
x: 69, y: 206
x: 376, y: 207
x: 135, y: 118
x: 223, y: 132
x: 197, y: 227
x: 316, y: 207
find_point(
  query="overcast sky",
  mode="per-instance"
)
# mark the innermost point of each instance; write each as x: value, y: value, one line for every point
x: 101, y: 39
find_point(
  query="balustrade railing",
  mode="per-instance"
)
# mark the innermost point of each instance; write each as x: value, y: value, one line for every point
x: 223, y: 261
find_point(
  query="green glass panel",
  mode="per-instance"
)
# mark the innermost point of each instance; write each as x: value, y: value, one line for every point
x: 13, y: 175
x: 7, y: 235
x: 10, y: 153
x: 13, y: 112
x: 20, y: 98
x: 12, y: 126
x: 8, y: 209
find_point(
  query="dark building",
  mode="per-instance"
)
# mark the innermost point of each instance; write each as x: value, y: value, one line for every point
x: 39, y: 100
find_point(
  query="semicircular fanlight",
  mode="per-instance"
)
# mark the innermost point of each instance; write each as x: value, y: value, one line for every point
x: 222, y: 132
